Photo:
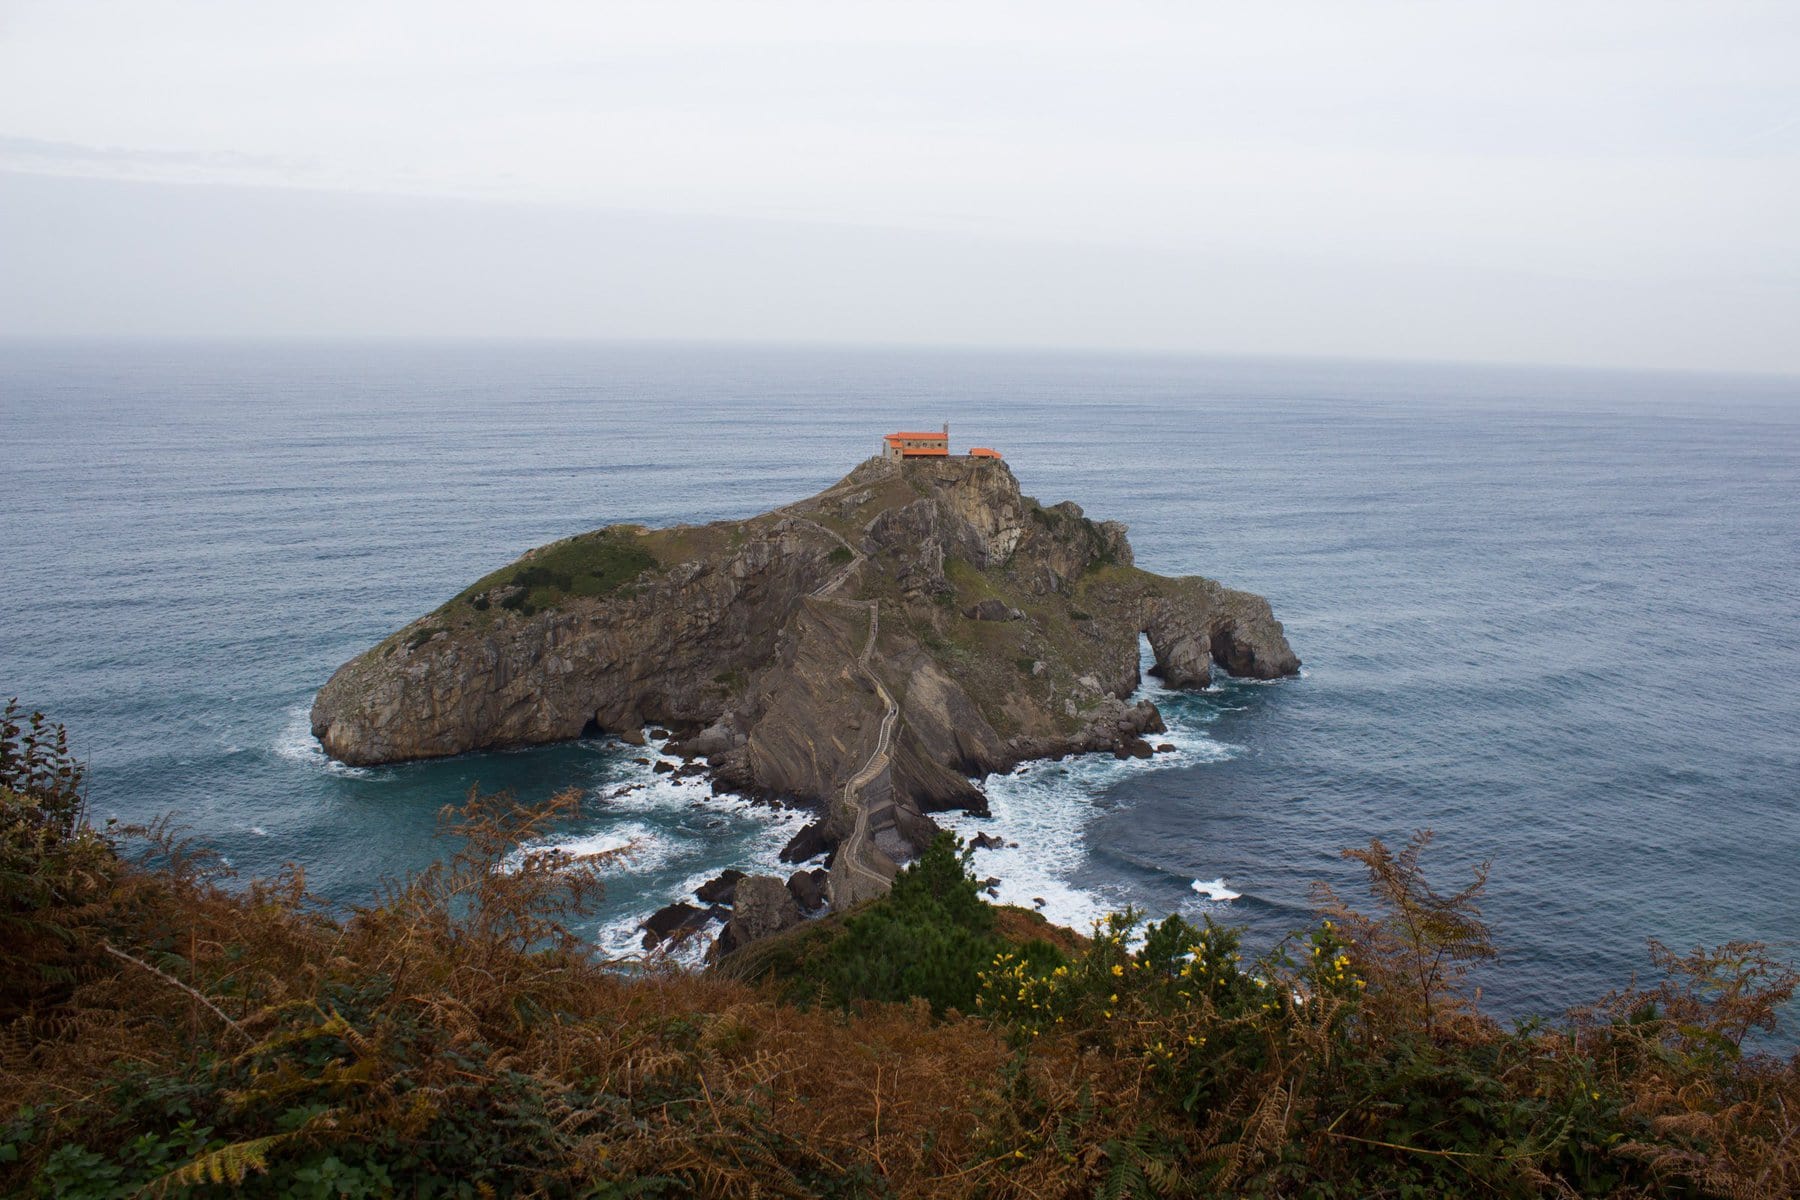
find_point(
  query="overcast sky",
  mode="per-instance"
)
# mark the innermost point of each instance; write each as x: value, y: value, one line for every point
x: 1584, y: 181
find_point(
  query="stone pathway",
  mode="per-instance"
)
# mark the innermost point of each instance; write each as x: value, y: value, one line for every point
x: 852, y: 878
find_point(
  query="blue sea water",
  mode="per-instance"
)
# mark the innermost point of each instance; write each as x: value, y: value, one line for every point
x: 1552, y: 615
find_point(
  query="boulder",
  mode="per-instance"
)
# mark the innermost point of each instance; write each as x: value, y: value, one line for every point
x: 762, y: 906
x: 986, y: 841
x: 808, y: 889
x: 1133, y: 748
x: 721, y: 888
x: 714, y: 739
x: 671, y: 921
x: 808, y: 843
x: 993, y: 610
x: 663, y: 766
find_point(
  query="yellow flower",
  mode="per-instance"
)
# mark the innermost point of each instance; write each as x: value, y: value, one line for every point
x: 1117, y: 969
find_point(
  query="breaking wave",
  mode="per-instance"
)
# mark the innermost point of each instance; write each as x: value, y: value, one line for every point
x: 1042, y: 811
x: 296, y: 743
x: 1215, y: 889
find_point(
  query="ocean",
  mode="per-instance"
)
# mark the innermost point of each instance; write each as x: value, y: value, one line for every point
x: 1552, y: 615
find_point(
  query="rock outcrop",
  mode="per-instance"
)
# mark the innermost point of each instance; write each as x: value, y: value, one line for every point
x: 1003, y: 629
x: 763, y: 906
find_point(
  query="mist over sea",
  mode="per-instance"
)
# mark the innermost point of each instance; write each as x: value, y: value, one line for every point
x: 1552, y: 615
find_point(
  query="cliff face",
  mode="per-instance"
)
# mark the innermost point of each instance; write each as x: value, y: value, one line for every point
x: 1002, y: 630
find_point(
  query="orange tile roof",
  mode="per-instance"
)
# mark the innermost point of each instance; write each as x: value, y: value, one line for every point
x: 941, y: 437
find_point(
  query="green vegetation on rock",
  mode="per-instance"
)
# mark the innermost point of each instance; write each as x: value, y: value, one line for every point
x: 588, y: 565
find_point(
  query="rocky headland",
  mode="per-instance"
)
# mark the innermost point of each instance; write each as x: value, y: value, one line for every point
x: 870, y: 651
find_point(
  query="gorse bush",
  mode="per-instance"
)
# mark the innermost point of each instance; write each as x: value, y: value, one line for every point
x: 169, y: 1032
x: 1350, y: 1061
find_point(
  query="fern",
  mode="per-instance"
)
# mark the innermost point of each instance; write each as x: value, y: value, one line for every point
x: 229, y: 1164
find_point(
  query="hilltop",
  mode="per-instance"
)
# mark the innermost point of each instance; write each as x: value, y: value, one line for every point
x: 870, y: 650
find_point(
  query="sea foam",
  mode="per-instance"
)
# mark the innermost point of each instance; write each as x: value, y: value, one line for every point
x: 1215, y: 889
x: 296, y: 743
x: 1042, y: 810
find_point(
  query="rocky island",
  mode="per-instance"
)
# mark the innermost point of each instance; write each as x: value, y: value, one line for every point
x: 870, y: 651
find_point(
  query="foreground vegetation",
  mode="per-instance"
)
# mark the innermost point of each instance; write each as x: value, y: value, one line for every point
x: 163, y: 1034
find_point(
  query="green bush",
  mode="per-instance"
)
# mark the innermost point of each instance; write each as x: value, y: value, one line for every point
x: 930, y: 937
x: 51, y: 861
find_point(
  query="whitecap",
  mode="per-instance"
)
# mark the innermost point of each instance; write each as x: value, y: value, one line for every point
x: 637, y: 846
x: 1215, y: 889
x: 622, y: 941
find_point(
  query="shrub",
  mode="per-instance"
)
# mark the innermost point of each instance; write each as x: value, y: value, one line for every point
x: 53, y: 866
x: 929, y: 938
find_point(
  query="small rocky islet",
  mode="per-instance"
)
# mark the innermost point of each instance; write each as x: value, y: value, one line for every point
x: 870, y: 652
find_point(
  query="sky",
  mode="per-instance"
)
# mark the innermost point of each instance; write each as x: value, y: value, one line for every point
x: 1599, y: 182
